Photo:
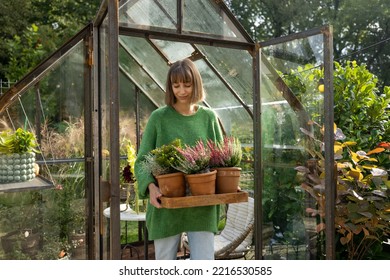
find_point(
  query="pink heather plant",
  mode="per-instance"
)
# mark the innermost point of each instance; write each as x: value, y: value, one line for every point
x: 226, y: 153
x: 195, y: 158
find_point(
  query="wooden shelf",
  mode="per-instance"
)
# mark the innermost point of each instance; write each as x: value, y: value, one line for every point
x: 38, y: 183
x: 204, y: 200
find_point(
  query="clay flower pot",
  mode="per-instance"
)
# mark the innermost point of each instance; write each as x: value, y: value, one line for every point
x: 202, y: 183
x: 228, y: 179
x: 172, y: 184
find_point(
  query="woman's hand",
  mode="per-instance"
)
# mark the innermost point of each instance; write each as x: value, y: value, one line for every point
x: 155, y: 194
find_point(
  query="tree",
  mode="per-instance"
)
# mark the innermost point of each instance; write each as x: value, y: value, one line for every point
x: 11, y: 23
x: 33, y: 29
x: 361, y: 28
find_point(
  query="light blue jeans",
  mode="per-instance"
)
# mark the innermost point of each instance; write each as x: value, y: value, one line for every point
x: 201, y: 244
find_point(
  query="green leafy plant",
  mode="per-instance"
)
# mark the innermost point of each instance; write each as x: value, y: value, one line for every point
x: 17, y: 142
x: 357, y: 92
x: 163, y: 160
x: 226, y: 153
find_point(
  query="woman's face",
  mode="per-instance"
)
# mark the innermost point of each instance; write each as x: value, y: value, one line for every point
x: 183, y: 92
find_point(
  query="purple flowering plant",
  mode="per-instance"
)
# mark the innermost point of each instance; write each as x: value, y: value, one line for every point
x: 194, y: 159
x: 226, y: 153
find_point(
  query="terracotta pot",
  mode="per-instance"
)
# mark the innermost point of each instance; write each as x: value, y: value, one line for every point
x: 202, y: 183
x: 172, y: 185
x: 228, y: 179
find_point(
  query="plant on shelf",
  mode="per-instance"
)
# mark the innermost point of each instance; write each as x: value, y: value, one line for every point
x: 161, y: 163
x: 225, y: 157
x: 17, y: 154
x: 17, y: 142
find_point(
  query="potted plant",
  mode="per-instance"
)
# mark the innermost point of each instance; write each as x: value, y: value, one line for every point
x: 226, y: 157
x: 161, y: 163
x: 195, y: 163
x: 17, y: 156
x: 129, y: 187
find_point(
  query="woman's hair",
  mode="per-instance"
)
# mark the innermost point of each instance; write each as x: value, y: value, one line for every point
x: 184, y: 71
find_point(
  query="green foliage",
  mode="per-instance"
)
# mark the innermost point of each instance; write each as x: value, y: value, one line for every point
x: 363, y: 118
x: 162, y: 160
x: 167, y: 155
x: 360, y: 109
x: 25, y: 52
x: 19, y: 142
x: 357, y: 24
x: 45, y: 25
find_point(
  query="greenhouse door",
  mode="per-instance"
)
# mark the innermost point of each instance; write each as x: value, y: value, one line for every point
x: 291, y: 111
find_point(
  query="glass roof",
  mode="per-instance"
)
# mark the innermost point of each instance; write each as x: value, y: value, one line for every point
x: 226, y: 71
x: 198, y: 17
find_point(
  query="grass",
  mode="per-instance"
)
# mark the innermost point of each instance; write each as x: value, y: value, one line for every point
x: 132, y: 232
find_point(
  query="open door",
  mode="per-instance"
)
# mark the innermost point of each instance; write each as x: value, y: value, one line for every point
x: 295, y: 117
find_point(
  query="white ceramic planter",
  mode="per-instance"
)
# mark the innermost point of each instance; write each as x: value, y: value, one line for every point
x: 17, y: 167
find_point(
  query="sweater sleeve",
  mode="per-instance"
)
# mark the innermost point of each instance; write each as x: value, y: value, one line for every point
x: 148, y: 143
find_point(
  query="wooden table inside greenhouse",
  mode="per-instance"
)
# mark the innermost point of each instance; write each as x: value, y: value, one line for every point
x: 129, y: 215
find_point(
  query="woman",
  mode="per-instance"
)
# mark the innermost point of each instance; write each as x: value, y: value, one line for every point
x: 182, y: 118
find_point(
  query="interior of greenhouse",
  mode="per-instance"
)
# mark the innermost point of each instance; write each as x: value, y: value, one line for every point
x: 88, y: 104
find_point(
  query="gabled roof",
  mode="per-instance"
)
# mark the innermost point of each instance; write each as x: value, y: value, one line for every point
x: 204, y: 18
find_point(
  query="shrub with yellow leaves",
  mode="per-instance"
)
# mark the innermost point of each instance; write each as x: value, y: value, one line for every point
x: 362, y: 214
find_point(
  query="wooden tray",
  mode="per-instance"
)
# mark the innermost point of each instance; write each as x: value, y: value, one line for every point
x: 204, y: 200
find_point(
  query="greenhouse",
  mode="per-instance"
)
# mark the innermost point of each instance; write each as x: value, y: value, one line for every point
x: 88, y: 103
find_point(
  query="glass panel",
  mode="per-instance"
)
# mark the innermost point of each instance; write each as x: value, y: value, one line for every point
x: 149, y: 13
x: 218, y: 95
x: 291, y: 104
x: 207, y: 17
x: 140, y: 77
x: 50, y: 223
x: 297, y: 53
x: 233, y: 65
x: 145, y: 55
x: 105, y: 132
x: 235, y: 119
x: 174, y: 51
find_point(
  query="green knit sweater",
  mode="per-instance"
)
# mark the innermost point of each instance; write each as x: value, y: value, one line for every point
x: 164, y: 125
